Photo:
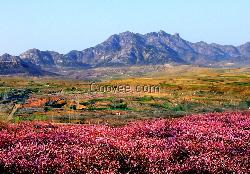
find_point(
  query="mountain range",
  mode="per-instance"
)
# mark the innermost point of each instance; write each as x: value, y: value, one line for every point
x: 129, y: 49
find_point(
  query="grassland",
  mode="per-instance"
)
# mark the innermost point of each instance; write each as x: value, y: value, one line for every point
x: 182, y: 90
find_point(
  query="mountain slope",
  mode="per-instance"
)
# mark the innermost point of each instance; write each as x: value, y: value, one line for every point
x: 158, y: 48
x: 128, y: 49
x: 15, y: 65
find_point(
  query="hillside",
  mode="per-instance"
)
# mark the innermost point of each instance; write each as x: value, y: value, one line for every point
x: 132, y: 49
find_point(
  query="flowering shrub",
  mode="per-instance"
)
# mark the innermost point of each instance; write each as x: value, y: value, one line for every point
x: 209, y: 143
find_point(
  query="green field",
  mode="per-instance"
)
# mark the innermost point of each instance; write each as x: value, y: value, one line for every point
x: 175, y: 91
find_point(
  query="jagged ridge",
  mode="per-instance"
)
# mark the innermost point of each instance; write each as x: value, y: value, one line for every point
x: 127, y: 49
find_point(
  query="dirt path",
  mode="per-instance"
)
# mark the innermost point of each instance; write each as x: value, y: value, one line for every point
x: 10, y: 116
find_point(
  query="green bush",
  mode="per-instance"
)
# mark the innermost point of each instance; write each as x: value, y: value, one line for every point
x: 245, y: 104
x: 218, y: 110
x: 30, y: 118
x: 46, y: 109
x: 73, y: 107
x: 165, y: 105
x: 185, y: 106
x: 16, y: 95
x: 145, y: 98
x: 119, y: 105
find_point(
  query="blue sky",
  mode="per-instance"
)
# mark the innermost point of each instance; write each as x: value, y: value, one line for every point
x: 63, y: 25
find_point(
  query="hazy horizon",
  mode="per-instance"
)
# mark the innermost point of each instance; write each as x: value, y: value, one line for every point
x: 76, y: 25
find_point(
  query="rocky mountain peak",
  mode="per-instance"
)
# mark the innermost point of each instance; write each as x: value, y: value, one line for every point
x: 6, y: 55
x: 161, y: 32
x: 128, y: 49
x: 177, y: 35
x: 43, y: 58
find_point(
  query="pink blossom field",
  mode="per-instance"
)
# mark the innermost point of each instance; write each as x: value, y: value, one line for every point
x: 205, y: 143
